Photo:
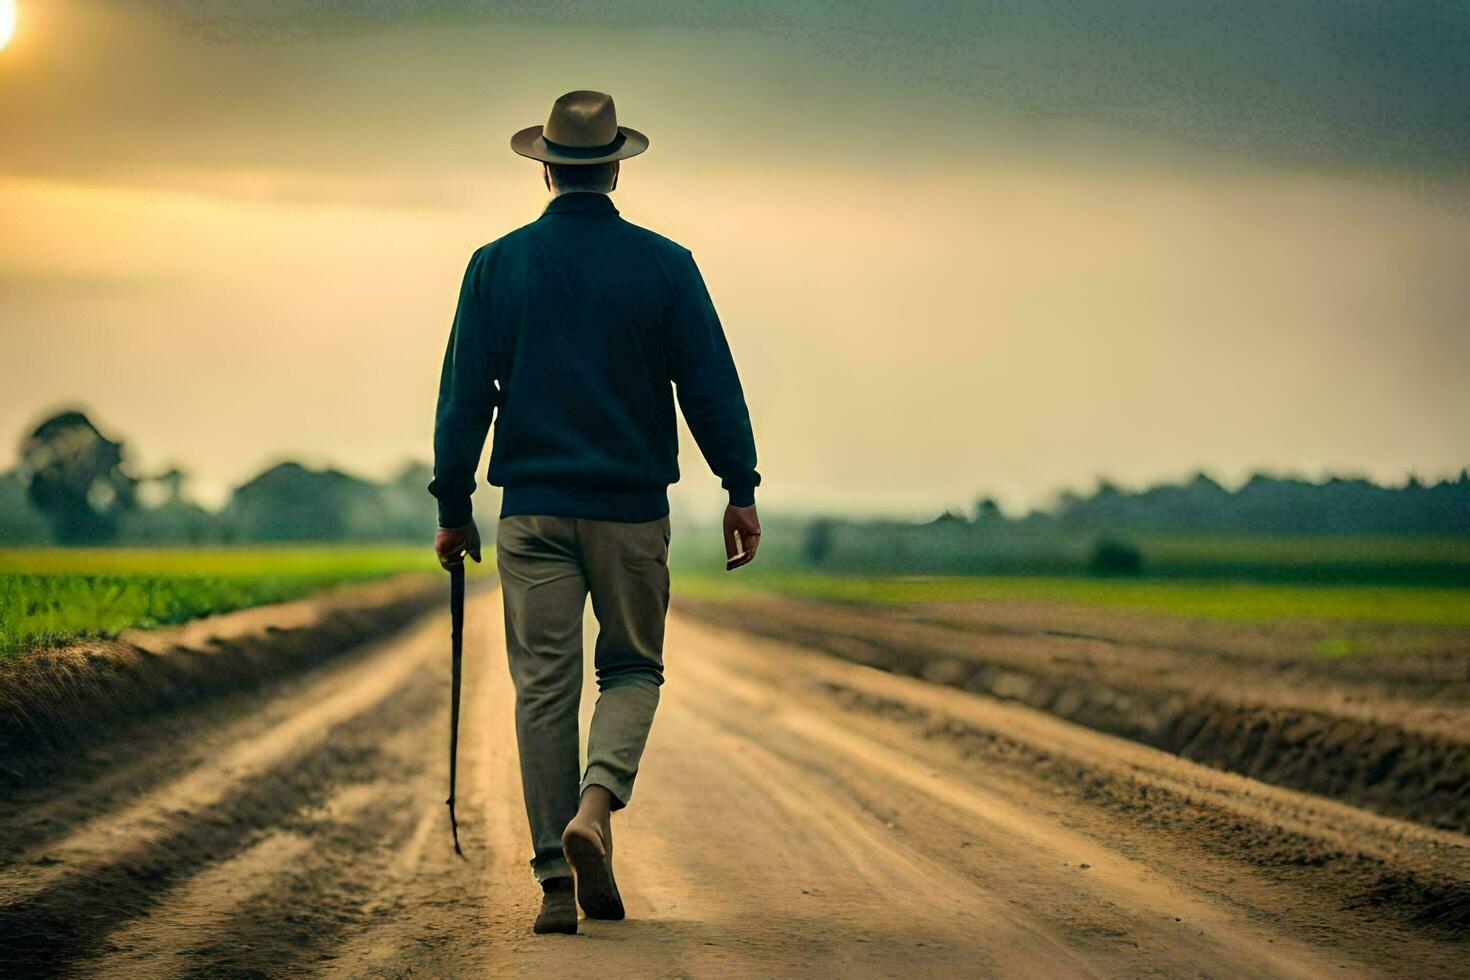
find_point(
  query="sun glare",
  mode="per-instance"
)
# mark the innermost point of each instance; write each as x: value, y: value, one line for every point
x: 7, y: 21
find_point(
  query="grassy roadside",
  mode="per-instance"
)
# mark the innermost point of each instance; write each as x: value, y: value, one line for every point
x: 50, y: 595
x: 1248, y: 602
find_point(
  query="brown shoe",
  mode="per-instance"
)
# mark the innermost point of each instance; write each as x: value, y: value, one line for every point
x: 591, y: 861
x: 558, y: 908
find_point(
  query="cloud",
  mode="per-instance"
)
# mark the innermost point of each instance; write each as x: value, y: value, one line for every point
x: 419, y: 87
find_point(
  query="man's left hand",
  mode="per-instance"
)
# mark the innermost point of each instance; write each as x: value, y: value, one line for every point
x: 744, y: 521
x: 451, y: 544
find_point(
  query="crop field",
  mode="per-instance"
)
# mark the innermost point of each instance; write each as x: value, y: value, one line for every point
x: 931, y: 549
x: 1241, y: 601
x: 1307, y: 549
x: 49, y: 595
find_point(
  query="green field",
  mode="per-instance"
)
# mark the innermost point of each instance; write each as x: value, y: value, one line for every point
x: 890, y: 549
x: 1244, y: 601
x: 48, y: 595
x: 1307, y: 549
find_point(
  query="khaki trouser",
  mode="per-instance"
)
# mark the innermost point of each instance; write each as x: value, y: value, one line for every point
x: 548, y: 566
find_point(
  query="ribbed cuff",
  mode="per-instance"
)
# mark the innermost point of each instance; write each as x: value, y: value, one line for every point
x: 589, y: 501
x: 742, y: 496
x: 455, y: 513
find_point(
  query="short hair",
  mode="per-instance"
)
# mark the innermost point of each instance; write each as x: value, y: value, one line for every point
x: 583, y: 176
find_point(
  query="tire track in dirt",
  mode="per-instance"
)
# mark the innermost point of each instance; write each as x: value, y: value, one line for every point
x: 1116, y: 898
x: 858, y: 899
x: 1350, y: 857
x: 319, y: 710
x: 59, y: 904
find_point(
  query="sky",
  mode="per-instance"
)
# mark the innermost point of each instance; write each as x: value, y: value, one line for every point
x: 959, y: 248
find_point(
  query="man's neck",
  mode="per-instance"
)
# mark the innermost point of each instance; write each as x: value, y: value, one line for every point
x: 557, y: 192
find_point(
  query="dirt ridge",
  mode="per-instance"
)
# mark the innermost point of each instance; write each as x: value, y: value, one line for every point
x: 1420, y: 886
x: 55, y: 701
x: 1413, y: 773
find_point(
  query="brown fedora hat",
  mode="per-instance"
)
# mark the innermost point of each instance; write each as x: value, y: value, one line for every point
x: 583, y: 128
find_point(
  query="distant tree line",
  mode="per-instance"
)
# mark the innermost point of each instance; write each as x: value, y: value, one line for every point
x: 1337, y: 529
x: 76, y: 486
x: 1264, y: 504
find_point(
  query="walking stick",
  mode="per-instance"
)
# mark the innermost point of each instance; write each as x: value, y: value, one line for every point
x: 456, y: 639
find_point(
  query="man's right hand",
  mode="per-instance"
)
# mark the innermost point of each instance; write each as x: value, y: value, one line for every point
x: 451, y: 544
x: 744, y: 520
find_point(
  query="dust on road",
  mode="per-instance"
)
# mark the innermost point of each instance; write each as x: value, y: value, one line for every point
x: 796, y: 815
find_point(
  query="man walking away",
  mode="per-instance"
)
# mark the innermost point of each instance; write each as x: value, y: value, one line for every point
x: 574, y: 331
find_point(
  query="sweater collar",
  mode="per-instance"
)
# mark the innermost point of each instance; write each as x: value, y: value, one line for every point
x: 581, y: 202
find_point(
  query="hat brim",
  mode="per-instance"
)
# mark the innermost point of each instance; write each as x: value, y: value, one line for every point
x: 530, y: 142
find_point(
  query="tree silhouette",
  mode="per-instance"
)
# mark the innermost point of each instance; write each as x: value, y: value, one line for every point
x: 74, y: 475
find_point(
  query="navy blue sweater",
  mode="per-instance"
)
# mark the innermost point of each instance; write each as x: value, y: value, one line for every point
x: 573, y: 333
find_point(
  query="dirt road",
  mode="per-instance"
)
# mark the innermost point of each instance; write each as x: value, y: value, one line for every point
x: 797, y: 815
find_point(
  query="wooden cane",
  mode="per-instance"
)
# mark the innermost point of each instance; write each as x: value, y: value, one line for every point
x: 456, y: 638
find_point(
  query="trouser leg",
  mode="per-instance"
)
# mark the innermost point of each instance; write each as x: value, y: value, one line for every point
x: 545, y: 593
x: 628, y: 575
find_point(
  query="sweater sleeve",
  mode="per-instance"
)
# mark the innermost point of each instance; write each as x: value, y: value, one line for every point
x: 708, y: 386
x: 467, y: 399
